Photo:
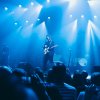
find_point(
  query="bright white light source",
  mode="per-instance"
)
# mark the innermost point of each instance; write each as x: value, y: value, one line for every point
x: 20, y: 6
x: 32, y: 25
x: 27, y: 21
x: 91, y: 2
x: 82, y: 16
x: 25, y: 9
x: 15, y: 23
x: 71, y: 16
x: 6, y: 8
x: 88, y: 77
x: 32, y: 3
x: 95, y: 17
x: 48, y: 17
x: 38, y: 19
x: 48, y: 1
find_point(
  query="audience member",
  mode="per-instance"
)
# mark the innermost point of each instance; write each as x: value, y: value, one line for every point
x: 58, y: 76
x: 92, y: 92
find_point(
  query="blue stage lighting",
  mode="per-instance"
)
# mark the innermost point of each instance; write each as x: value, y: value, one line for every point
x: 95, y: 17
x: 15, y: 23
x: 32, y: 3
x: 32, y: 24
x: 48, y: 1
x: 82, y: 16
x: 6, y: 8
x: 49, y: 18
x: 20, y: 6
x: 70, y: 16
x: 38, y: 19
x: 26, y: 21
x: 25, y: 9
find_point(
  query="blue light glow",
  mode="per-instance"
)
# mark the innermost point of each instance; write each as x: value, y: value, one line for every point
x: 32, y: 3
x: 95, y: 17
x: 19, y: 6
x: 16, y: 23
x: 38, y: 19
x: 71, y: 16
x: 6, y: 8
x: 48, y: 1
x: 26, y: 21
x: 72, y: 24
x: 48, y: 17
x: 82, y: 16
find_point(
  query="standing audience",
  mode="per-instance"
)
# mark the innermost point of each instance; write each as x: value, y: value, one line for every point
x: 22, y: 83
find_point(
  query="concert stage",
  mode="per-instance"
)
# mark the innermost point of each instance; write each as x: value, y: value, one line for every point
x: 73, y: 25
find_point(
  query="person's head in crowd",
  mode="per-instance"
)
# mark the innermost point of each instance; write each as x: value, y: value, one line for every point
x: 59, y: 72
x: 39, y: 71
x: 68, y: 79
x: 21, y: 75
x: 77, y: 79
x: 19, y: 72
x: 31, y: 95
x: 84, y: 74
x: 50, y: 76
x: 23, y: 93
x: 5, y: 72
x: 77, y: 74
x: 95, y: 78
x: 14, y: 91
x: 26, y: 66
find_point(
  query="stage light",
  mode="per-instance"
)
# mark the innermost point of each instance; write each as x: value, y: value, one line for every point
x: 88, y: 77
x: 15, y: 23
x: 88, y: 37
x: 25, y: 9
x: 32, y: 25
x: 82, y: 16
x: 95, y: 17
x: 71, y: 16
x: 48, y: 1
x: 72, y: 5
x: 91, y: 2
x: 48, y: 17
x: 94, y: 35
x: 38, y: 19
x: 32, y: 3
x: 19, y: 6
x: 26, y: 21
x: 6, y: 8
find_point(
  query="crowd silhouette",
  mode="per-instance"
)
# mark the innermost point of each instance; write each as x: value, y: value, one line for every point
x: 26, y: 82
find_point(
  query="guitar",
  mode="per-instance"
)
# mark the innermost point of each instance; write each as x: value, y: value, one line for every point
x: 47, y: 49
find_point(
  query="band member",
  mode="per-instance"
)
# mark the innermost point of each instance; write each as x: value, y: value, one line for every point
x: 48, y: 52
